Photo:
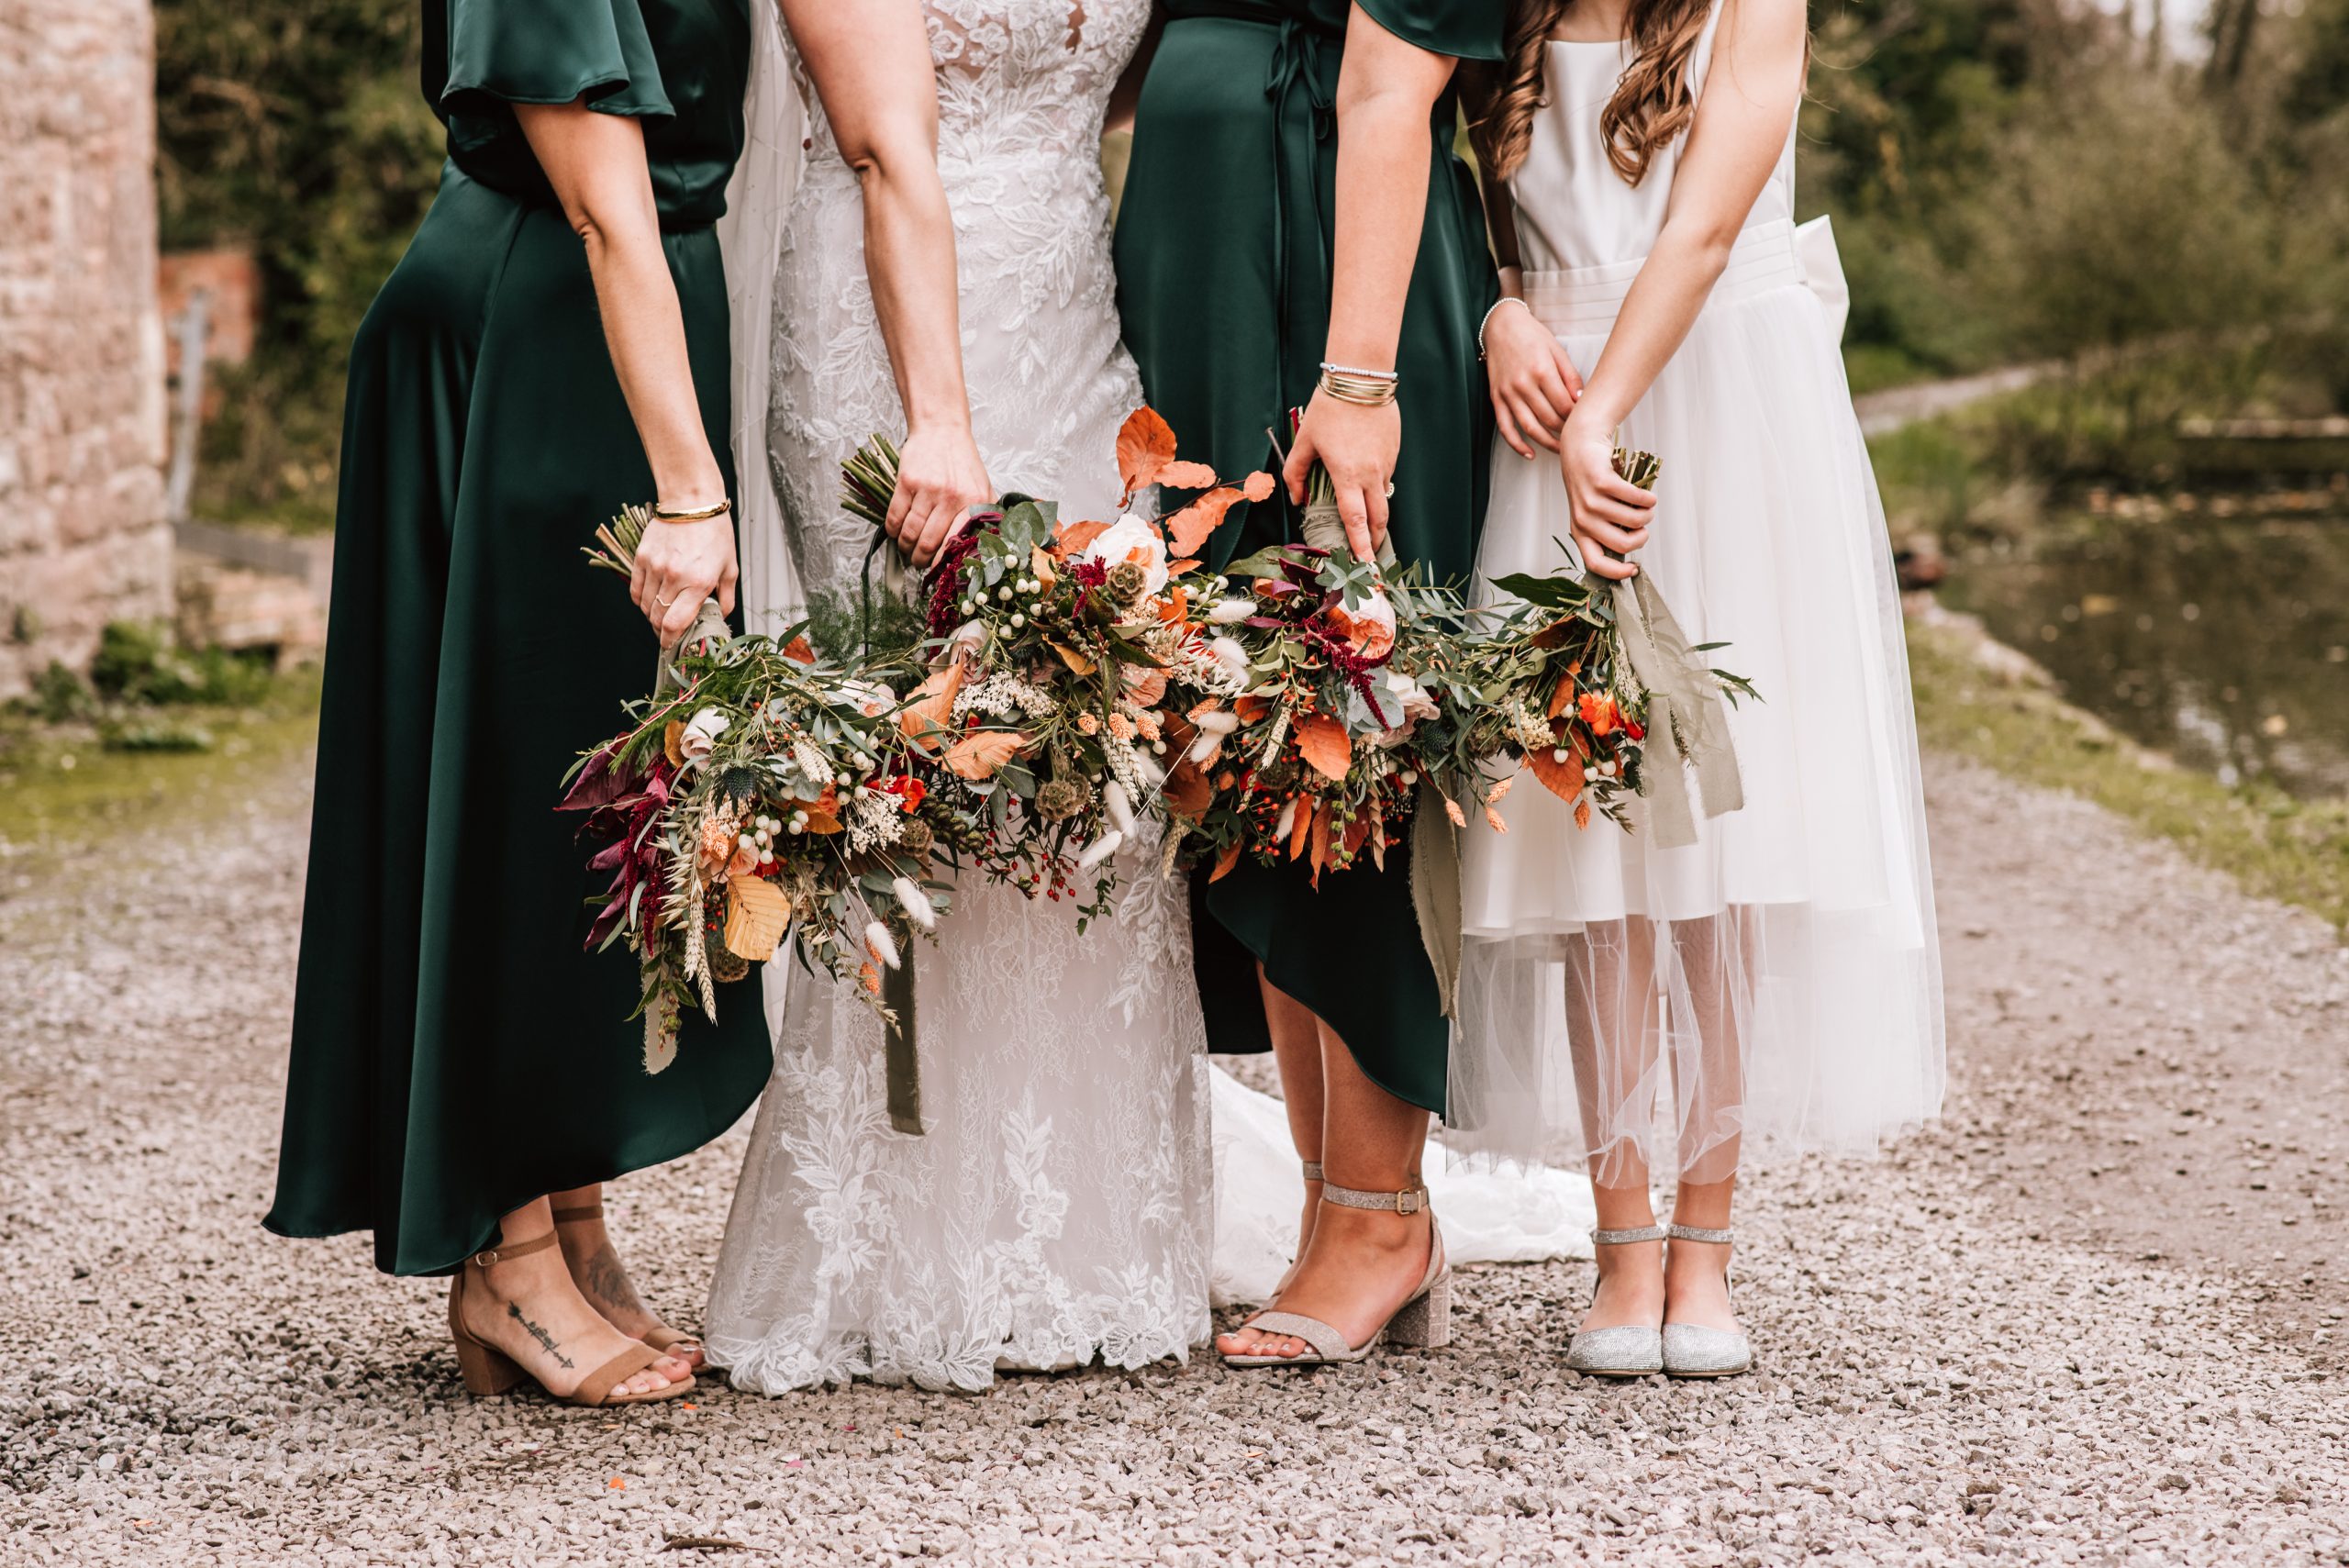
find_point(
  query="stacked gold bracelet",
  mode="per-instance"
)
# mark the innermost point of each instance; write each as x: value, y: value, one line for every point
x: 692, y: 514
x: 1348, y: 384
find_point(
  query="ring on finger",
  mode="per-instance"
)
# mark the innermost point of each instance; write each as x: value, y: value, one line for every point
x: 665, y: 603
x: 1390, y: 487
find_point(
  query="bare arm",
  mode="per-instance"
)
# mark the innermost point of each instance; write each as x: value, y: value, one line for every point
x: 597, y: 165
x: 1531, y: 380
x: 1750, y: 99
x: 871, y: 66
x: 1387, y: 90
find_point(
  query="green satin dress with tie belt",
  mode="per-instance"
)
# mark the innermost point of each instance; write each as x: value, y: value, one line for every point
x: 1223, y: 252
x: 456, y: 1050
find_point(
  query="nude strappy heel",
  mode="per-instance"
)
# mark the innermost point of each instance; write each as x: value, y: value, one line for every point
x: 1422, y: 1321
x: 488, y: 1370
x: 1312, y: 1169
x: 661, y: 1337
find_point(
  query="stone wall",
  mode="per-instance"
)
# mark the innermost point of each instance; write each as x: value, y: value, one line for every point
x: 83, y: 537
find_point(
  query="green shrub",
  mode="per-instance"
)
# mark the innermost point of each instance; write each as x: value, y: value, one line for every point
x: 136, y: 662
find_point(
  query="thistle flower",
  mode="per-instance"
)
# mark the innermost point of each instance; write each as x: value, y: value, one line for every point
x: 880, y: 945
x: 914, y: 902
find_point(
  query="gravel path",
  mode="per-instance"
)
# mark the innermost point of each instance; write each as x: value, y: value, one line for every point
x: 2093, y: 1317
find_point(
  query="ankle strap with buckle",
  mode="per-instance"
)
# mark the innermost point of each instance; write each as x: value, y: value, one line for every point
x: 1410, y: 1200
x: 506, y: 1251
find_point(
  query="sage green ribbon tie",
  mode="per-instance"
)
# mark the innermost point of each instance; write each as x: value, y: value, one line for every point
x: 1685, y: 711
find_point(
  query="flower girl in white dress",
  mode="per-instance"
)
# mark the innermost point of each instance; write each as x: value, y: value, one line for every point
x: 1775, y: 987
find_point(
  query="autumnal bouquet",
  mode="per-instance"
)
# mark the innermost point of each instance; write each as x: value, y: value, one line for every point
x: 1578, y: 671
x: 761, y: 788
x: 1053, y: 645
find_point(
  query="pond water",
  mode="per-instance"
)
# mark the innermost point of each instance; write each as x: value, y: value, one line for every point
x: 2220, y: 640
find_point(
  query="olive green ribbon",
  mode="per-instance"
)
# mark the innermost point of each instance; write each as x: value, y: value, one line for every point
x: 1684, y: 709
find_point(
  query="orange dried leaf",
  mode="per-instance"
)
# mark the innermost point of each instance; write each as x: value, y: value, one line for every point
x: 1177, y: 568
x: 1257, y: 487
x: 1146, y: 445
x: 1041, y: 564
x: 1321, y: 742
x: 758, y: 913
x: 1319, y: 843
x: 1565, y: 779
x: 1188, y: 529
x: 1078, y: 662
x: 1147, y: 687
x: 1075, y: 537
x: 1224, y: 862
x: 1301, y: 828
x: 1251, y: 707
x: 932, y: 710
x: 1186, y: 791
x: 797, y: 649
x: 1187, y: 476
x: 671, y: 740
x: 1560, y: 699
x: 983, y: 754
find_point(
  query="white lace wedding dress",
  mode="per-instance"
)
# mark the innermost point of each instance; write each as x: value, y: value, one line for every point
x: 1058, y: 1207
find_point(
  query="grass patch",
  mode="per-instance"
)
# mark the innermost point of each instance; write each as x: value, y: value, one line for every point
x: 2276, y: 846
x: 66, y: 787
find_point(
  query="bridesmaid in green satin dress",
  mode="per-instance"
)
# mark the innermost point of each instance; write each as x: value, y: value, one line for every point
x: 458, y: 1055
x: 1293, y: 199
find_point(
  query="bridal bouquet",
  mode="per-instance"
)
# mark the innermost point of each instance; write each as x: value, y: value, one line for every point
x: 1054, y: 646
x: 759, y: 789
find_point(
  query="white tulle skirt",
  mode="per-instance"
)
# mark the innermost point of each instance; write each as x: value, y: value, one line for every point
x: 1775, y: 987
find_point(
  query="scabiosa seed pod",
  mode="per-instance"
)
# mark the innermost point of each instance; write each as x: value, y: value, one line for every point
x: 1127, y: 582
x: 1060, y: 799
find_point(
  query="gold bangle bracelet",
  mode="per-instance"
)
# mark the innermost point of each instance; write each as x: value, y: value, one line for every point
x: 692, y: 514
x: 1358, y: 390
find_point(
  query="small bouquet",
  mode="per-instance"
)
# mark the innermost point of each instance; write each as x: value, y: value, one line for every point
x: 1054, y: 646
x: 760, y: 788
x: 1579, y: 672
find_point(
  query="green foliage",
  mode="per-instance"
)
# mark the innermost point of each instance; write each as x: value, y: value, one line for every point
x: 301, y: 131
x: 136, y: 662
x: 58, y: 695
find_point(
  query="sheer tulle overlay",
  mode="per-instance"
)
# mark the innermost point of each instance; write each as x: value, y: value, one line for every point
x: 1058, y: 1207
x: 1776, y: 987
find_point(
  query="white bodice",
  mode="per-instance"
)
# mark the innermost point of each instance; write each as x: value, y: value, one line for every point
x: 1020, y: 83
x: 1573, y: 209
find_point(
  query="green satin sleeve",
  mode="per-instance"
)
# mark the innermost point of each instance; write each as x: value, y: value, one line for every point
x: 1465, y: 30
x: 551, y: 51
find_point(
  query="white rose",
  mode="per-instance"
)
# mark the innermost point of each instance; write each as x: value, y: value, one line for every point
x: 1119, y: 542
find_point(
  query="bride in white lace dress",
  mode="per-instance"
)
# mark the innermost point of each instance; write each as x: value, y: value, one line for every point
x: 1057, y: 1207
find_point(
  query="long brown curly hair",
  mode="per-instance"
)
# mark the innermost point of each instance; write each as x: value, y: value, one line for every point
x: 1651, y: 104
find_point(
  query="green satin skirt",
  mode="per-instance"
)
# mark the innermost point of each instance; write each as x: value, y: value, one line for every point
x: 1224, y: 245
x: 456, y: 1050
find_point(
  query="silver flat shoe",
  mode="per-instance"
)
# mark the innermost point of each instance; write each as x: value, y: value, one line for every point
x: 1691, y: 1350
x: 1423, y: 1321
x: 1628, y: 1349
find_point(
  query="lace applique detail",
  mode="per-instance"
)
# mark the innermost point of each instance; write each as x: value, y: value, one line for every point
x: 1058, y: 1207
